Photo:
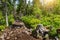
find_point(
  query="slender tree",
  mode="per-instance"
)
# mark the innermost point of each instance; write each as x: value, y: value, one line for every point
x: 21, y: 7
x: 5, y: 10
x: 29, y: 8
x: 36, y: 8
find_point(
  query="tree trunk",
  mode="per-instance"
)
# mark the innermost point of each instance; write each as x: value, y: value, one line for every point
x: 6, y: 12
x: 6, y: 19
x: 14, y: 11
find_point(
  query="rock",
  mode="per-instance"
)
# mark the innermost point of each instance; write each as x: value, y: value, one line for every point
x: 17, y: 34
x: 8, y: 38
x: 15, y: 38
x: 0, y: 38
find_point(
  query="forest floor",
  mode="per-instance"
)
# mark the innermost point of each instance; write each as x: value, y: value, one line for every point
x: 16, y: 34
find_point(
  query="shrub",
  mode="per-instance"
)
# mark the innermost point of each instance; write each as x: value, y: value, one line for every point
x: 11, y: 19
x: 30, y: 21
x: 53, y: 20
x: 2, y: 21
x: 57, y: 21
x: 1, y: 15
x: 53, y: 32
x: 46, y: 21
x: 2, y: 28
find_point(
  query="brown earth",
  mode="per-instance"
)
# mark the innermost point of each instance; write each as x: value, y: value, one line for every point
x: 17, y: 34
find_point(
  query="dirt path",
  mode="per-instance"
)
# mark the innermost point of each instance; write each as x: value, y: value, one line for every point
x: 16, y: 34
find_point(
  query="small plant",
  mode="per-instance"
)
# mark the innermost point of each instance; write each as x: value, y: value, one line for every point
x: 11, y: 19
x: 30, y: 21
x: 53, y: 32
x: 2, y: 28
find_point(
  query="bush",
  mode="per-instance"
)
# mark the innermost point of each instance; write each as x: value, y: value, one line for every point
x: 53, y: 32
x: 53, y: 20
x: 11, y: 19
x: 2, y: 28
x: 1, y: 15
x: 57, y: 21
x: 2, y: 21
x: 46, y: 21
x: 30, y: 21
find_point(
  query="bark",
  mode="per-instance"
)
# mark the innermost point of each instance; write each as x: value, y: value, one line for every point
x: 6, y: 12
x: 7, y: 20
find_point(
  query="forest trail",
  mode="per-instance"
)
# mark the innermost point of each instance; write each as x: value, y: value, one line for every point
x: 16, y: 34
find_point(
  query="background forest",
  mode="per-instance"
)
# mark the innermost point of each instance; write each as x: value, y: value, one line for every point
x: 31, y: 13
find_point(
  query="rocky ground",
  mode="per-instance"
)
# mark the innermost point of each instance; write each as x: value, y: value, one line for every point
x: 17, y: 34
